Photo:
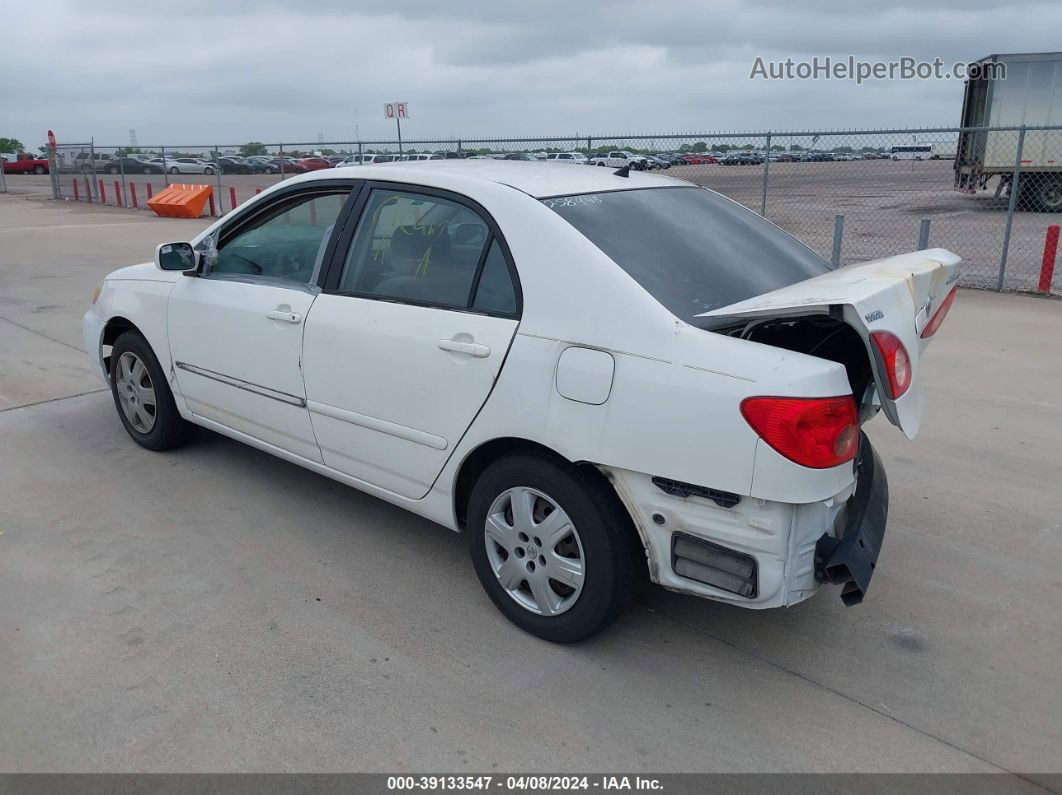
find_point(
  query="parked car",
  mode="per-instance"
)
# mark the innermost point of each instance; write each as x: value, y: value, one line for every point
x: 699, y: 158
x: 132, y: 165
x: 356, y: 160
x: 574, y: 158
x: 288, y: 165
x: 25, y: 163
x: 741, y: 159
x: 315, y: 163
x: 654, y: 161
x: 519, y: 156
x: 664, y: 405
x: 620, y: 159
x: 188, y: 165
x: 817, y: 157
x: 234, y: 165
x: 91, y: 161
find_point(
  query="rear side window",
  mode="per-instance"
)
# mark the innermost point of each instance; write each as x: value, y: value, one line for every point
x: 430, y: 250
x: 495, y: 292
x: 691, y: 249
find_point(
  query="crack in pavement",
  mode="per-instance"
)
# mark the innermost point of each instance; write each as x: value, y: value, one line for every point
x: 41, y: 334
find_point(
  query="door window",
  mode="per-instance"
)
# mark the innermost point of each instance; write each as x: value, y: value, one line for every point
x: 416, y: 248
x: 287, y: 242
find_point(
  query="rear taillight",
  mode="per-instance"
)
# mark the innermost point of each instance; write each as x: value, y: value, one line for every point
x: 897, y: 362
x: 940, y: 314
x: 814, y: 432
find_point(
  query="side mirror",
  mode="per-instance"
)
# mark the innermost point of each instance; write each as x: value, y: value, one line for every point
x: 177, y: 257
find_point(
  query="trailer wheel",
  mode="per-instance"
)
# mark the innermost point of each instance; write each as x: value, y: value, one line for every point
x: 1041, y: 193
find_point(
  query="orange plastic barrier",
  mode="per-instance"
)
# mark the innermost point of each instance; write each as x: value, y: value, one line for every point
x: 181, y: 201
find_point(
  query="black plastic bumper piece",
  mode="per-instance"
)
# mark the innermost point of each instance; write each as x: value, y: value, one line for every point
x: 849, y: 561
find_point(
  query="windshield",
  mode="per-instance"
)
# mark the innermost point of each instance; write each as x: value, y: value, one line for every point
x: 691, y: 249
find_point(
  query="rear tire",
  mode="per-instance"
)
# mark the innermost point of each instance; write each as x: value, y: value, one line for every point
x: 40, y: 170
x: 572, y: 526
x: 142, y: 396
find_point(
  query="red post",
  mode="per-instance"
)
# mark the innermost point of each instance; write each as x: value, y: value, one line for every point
x: 149, y: 191
x: 1047, y: 267
x: 103, y: 193
x: 117, y: 193
x: 257, y: 191
x: 77, y: 193
x: 232, y: 197
x: 132, y: 195
x: 213, y: 210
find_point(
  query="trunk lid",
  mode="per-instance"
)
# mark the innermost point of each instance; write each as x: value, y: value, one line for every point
x: 897, y: 294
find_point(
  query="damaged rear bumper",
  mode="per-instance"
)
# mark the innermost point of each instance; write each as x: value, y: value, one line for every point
x: 754, y: 552
x: 850, y: 560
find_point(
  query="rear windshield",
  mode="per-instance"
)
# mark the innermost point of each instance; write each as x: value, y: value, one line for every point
x: 691, y: 249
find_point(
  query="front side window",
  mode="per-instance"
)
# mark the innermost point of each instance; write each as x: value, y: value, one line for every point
x: 286, y: 242
x: 424, y: 249
x: 690, y: 248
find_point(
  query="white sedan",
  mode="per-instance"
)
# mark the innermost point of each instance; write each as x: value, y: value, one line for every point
x: 594, y: 375
x: 188, y: 165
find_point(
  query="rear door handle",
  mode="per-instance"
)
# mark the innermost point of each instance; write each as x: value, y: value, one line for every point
x: 286, y: 317
x: 467, y: 348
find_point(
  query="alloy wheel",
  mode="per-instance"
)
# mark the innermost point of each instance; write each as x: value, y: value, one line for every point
x: 534, y: 550
x: 136, y: 393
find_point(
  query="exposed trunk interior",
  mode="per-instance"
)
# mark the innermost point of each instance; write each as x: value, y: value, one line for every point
x: 816, y: 335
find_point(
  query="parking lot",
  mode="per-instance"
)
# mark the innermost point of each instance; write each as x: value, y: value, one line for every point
x: 883, y: 202
x: 217, y: 608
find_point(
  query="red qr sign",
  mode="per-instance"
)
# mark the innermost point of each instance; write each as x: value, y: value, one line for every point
x: 51, y: 140
x: 396, y: 110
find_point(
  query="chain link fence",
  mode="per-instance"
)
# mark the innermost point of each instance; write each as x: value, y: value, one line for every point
x: 989, y: 194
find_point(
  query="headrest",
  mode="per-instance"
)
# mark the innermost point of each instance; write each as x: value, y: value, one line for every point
x: 412, y: 242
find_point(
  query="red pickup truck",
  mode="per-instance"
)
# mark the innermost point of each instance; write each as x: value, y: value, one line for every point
x: 26, y: 164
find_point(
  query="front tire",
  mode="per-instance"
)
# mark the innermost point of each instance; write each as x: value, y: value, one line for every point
x: 143, y: 398
x: 175, y: 170
x: 552, y: 546
x: 40, y: 170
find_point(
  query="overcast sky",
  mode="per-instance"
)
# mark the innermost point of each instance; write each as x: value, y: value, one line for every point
x: 229, y: 71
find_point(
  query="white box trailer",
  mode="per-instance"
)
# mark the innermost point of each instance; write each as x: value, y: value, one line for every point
x: 1013, y: 91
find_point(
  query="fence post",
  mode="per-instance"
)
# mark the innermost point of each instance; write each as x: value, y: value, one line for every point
x: 766, y: 169
x: 121, y: 168
x: 1047, y: 265
x: 923, y: 235
x: 1015, y: 186
x: 217, y: 163
x: 3, y: 181
x: 838, y: 234
x: 92, y: 162
x: 53, y: 174
x: 281, y: 161
x: 165, y: 171
x: 589, y: 146
x: 458, y: 148
x: 360, y: 158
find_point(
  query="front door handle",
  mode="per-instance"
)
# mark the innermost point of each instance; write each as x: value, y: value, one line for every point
x: 467, y: 348
x: 284, y: 316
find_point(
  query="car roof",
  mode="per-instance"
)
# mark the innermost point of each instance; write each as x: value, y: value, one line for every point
x: 535, y: 178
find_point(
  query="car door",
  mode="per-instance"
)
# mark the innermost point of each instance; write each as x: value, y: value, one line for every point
x: 405, y: 343
x: 235, y: 330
